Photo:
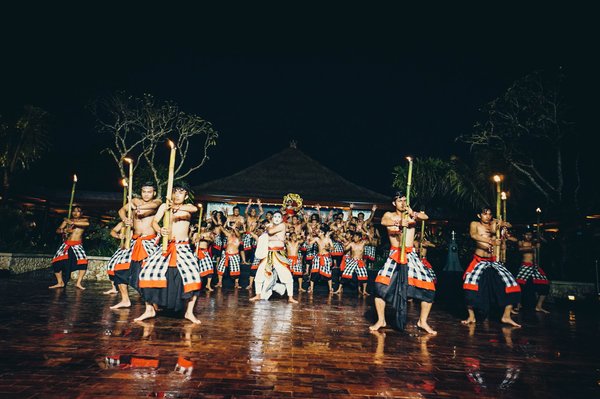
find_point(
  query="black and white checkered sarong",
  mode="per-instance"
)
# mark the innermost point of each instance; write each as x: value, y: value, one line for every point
x: 180, y: 255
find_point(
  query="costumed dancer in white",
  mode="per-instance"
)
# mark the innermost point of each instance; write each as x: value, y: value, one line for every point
x: 273, y: 273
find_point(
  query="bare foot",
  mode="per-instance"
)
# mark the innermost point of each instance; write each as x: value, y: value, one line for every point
x: 149, y: 313
x: 467, y: 322
x: 331, y: 292
x: 191, y: 317
x: 292, y: 300
x: 338, y: 291
x: 514, y: 311
x: 300, y: 289
x: 540, y: 309
x: 81, y: 287
x: 57, y: 286
x: 209, y: 288
x: 365, y: 293
x: 122, y: 304
x: 377, y: 326
x: 424, y: 326
x: 249, y: 287
x: 111, y: 291
x: 237, y: 286
x: 255, y: 298
x: 218, y: 285
x: 309, y: 290
x: 510, y: 321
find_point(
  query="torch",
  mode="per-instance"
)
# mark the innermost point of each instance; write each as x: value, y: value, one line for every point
x: 200, y: 209
x: 504, y: 243
x: 404, y: 229
x: 124, y: 184
x: 539, y: 236
x: 167, y: 217
x: 497, y: 180
x: 129, y: 198
x: 72, y: 196
x: 421, y: 241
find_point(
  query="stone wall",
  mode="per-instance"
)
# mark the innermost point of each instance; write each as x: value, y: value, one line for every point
x: 15, y: 263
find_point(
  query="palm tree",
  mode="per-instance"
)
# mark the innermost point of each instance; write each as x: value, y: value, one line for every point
x: 22, y: 143
x: 444, y: 181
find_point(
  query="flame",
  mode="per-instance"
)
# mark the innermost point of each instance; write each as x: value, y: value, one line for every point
x: 124, y: 182
x: 75, y: 178
x: 497, y: 178
x: 503, y: 195
x: 409, y: 159
x: 128, y: 160
x: 171, y: 144
x: 538, y: 210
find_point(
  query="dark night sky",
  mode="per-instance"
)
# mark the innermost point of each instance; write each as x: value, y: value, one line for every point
x: 357, y: 88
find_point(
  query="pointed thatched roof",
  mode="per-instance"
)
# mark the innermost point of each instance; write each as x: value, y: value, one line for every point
x: 290, y: 171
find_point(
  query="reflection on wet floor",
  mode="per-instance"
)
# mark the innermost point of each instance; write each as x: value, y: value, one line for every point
x: 319, y: 348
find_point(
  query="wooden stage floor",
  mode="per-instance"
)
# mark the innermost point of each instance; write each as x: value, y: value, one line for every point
x: 69, y: 344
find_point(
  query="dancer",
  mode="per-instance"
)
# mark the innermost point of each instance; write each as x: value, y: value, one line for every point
x: 231, y: 257
x: 486, y: 280
x: 292, y: 245
x: 531, y: 275
x: 273, y: 273
x: 144, y: 241
x: 116, y: 232
x: 251, y: 221
x: 203, y: 240
x: 353, y: 263
x: 396, y: 282
x: 71, y: 255
x: 321, y: 263
x: 171, y: 280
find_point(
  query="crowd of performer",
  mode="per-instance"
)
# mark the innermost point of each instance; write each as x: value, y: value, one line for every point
x: 287, y: 248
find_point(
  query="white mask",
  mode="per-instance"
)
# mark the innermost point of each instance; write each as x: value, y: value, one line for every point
x: 277, y: 218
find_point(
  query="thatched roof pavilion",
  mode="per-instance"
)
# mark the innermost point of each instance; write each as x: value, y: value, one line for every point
x: 290, y: 171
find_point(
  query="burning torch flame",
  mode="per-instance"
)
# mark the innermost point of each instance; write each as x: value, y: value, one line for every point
x: 124, y: 182
x: 538, y: 210
x: 128, y: 160
x: 409, y: 159
x: 497, y: 178
x: 171, y: 144
x: 503, y: 196
x: 75, y: 178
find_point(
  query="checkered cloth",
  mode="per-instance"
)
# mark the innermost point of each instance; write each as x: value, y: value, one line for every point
x: 232, y: 261
x: 139, y: 249
x: 295, y: 265
x: 220, y: 242
x: 248, y: 242
x: 63, y: 252
x: 530, y: 270
x: 255, y: 263
x: 478, y: 265
x: 419, y: 275
x: 322, y: 264
x: 338, y: 249
x: 179, y: 255
x: 204, y: 262
x: 114, y: 260
x: 369, y: 252
x: 350, y: 266
x: 303, y: 247
x: 312, y: 251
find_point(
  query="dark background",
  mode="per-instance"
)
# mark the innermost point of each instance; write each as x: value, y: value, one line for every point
x: 357, y: 88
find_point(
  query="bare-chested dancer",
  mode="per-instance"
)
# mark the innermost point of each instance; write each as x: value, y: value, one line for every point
x: 292, y: 245
x: 251, y: 221
x: 530, y: 272
x: 203, y: 240
x: 117, y: 232
x: 321, y: 263
x: 485, y: 274
x: 171, y: 280
x: 143, y: 242
x: 353, y: 263
x: 415, y: 279
x: 274, y: 267
x: 70, y: 255
x: 231, y: 257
